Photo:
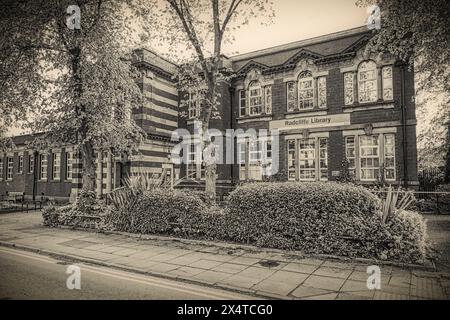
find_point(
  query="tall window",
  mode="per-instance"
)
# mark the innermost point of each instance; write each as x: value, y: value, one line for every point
x: 43, y: 167
x: 30, y: 163
x: 20, y: 167
x: 369, y: 153
x: 259, y: 159
x: 268, y: 99
x: 307, y: 159
x: 349, y: 94
x: 242, y: 103
x: 323, y: 159
x: 291, y: 159
x: 388, y: 93
x: 291, y: 96
x: 389, y: 156
x: 305, y: 91
x: 193, y: 105
x: 242, y: 151
x: 255, y: 97
x: 191, y: 163
x: 367, y: 82
x: 350, y: 154
x: 9, y: 169
x: 69, y: 157
x: 322, y: 92
x: 1, y: 168
x: 56, y: 166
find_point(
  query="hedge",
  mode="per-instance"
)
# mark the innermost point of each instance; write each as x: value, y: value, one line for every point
x: 168, y: 212
x: 86, y: 212
x: 322, y: 218
x: 317, y: 217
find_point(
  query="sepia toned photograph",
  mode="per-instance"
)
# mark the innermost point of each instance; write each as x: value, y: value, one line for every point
x: 251, y: 154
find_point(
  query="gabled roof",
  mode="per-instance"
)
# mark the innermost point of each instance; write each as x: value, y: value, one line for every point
x: 330, y: 46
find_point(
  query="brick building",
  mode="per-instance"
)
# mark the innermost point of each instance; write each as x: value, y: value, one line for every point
x: 331, y: 102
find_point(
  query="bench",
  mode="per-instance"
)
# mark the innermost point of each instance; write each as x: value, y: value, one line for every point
x: 14, y: 196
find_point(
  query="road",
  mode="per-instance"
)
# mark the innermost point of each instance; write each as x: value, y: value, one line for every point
x: 26, y: 275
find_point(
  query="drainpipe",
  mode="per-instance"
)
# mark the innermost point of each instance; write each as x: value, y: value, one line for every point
x: 404, y: 143
x: 35, y: 168
x: 230, y: 88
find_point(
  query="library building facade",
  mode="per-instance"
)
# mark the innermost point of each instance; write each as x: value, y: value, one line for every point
x: 337, y: 109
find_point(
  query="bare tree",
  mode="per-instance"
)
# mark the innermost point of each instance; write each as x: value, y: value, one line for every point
x: 203, y: 27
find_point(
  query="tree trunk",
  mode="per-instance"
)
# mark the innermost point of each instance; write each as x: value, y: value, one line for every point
x: 87, y: 158
x: 86, y: 147
x: 210, y: 165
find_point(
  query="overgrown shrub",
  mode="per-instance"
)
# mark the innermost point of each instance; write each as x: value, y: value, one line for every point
x: 325, y: 218
x: 86, y: 212
x: 171, y: 212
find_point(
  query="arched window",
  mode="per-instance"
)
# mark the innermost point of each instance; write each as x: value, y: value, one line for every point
x: 367, y: 82
x: 255, y: 97
x: 305, y: 91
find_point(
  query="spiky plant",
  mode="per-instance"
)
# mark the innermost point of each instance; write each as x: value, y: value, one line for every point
x: 393, y: 205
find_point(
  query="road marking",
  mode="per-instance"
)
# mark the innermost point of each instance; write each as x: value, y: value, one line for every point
x: 162, y: 283
x: 127, y: 276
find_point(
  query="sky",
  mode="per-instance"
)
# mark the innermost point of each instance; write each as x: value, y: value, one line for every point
x: 294, y: 20
x: 297, y: 20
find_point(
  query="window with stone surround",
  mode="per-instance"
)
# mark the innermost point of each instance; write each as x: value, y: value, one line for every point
x: 255, y: 94
x: 389, y: 157
x: 350, y: 154
x: 291, y: 88
x: 20, y: 167
x: 305, y: 91
x: 56, y: 166
x: 322, y: 92
x: 367, y: 82
x: 69, y: 159
x: 30, y: 162
x: 254, y: 158
x: 388, y: 93
x: 193, y: 105
x: 268, y: 99
x: 9, y: 168
x: 42, y: 167
x: 242, y: 103
x: 349, y: 94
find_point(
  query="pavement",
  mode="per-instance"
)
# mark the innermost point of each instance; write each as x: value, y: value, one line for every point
x: 28, y: 276
x: 252, y: 271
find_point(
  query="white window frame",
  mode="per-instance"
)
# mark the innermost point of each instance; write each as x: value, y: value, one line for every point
x: 69, y: 165
x: 291, y: 159
x: 1, y: 168
x: 387, y: 83
x: 193, y: 105
x: 322, y: 169
x: 30, y: 163
x: 268, y: 99
x: 367, y: 67
x: 375, y: 169
x: 56, y: 166
x: 9, y: 168
x: 254, y: 158
x: 255, y: 97
x: 322, y: 90
x: 301, y: 158
x: 242, y: 103
x: 20, y: 166
x: 304, y: 78
x: 349, y: 88
x: 385, y: 156
x: 351, y: 158
x: 43, y: 167
x: 291, y: 96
